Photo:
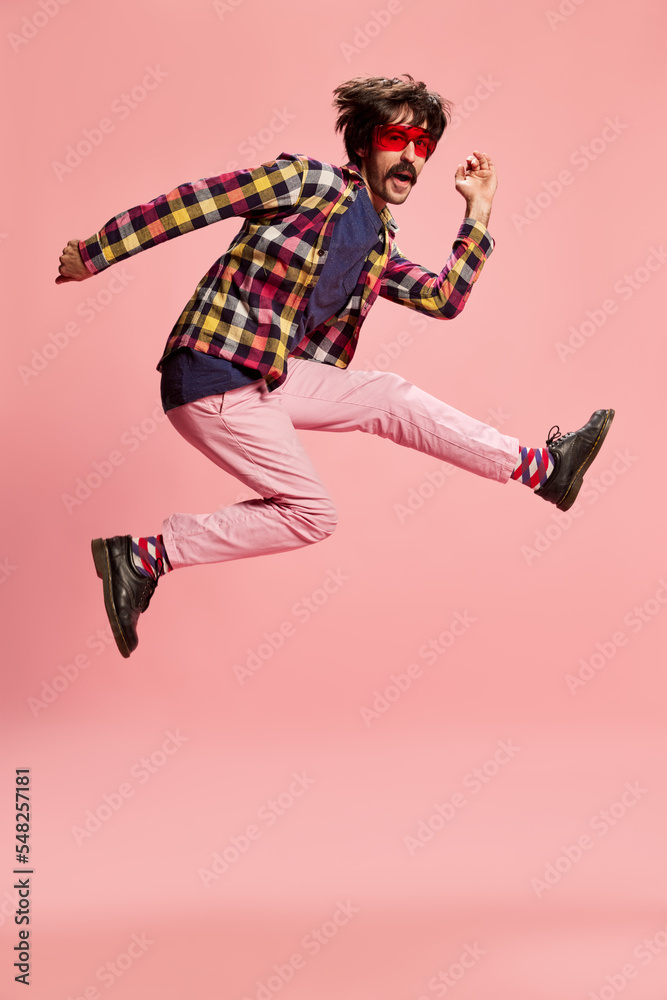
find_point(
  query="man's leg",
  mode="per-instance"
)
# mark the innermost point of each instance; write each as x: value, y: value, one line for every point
x: 323, y: 397
x: 248, y: 433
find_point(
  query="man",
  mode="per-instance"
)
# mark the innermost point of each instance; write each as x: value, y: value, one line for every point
x: 263, y: 346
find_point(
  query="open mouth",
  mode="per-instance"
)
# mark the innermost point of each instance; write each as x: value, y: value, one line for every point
x: 403, y: 177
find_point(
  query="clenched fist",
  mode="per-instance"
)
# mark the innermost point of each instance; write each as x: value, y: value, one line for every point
x: 72, y: 267
x: 476, y: 180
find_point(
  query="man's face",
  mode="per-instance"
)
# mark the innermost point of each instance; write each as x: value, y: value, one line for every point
x: 391, y: 174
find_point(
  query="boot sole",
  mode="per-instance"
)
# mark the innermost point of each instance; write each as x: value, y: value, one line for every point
x: 570, y: 494
x: 103, y: 568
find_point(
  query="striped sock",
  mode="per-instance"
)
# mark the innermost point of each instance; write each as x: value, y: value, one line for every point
x: 534, y: 467
x: 150, y: 556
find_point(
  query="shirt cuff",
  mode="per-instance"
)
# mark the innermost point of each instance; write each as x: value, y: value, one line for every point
x: 477, y: 233
x: 93, y: 255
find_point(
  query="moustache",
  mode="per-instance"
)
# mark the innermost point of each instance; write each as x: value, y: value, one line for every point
x: 408, y: 169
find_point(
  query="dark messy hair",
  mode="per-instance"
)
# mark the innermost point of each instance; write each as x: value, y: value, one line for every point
x: 367, y: 101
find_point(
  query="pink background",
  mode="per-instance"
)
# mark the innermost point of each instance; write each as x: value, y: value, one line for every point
x: 539, y: 594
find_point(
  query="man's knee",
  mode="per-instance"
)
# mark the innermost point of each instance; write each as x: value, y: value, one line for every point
x: 323, y: 523
x: 390, y: 389
x: 389, y: 381
x: 312, y: 521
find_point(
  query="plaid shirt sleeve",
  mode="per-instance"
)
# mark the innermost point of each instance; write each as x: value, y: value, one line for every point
x: 441, y: 295
x: 261, y: 192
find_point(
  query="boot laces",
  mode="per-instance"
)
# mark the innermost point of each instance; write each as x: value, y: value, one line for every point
x: 146, y: 594
x: 555, y: 436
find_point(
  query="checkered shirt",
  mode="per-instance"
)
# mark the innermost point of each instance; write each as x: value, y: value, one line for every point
x: 250, y: 302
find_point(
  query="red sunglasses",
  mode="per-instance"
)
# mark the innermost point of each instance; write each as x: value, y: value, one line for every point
x: 398, y: 136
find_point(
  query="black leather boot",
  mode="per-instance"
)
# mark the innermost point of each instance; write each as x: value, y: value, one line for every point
x: 573, y: 453
x: 126, y: 592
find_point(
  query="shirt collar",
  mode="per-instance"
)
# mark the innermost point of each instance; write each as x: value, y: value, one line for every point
x: 387, y: 218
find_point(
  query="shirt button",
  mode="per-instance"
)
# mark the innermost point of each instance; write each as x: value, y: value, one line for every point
x: 321, y: 253
x: 349, y: 198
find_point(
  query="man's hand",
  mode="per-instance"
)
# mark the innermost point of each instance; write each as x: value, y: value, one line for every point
x: 476, y: 180
x: 72, y: 267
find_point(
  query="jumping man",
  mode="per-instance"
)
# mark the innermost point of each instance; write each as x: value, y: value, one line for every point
x: 262, y: 348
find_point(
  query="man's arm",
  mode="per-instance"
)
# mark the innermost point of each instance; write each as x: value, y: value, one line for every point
x: 441, y: 295
x: 262, y: 191
x: 444, y: 295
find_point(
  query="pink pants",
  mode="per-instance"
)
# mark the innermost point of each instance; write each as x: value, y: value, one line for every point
x: 250, y: 433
